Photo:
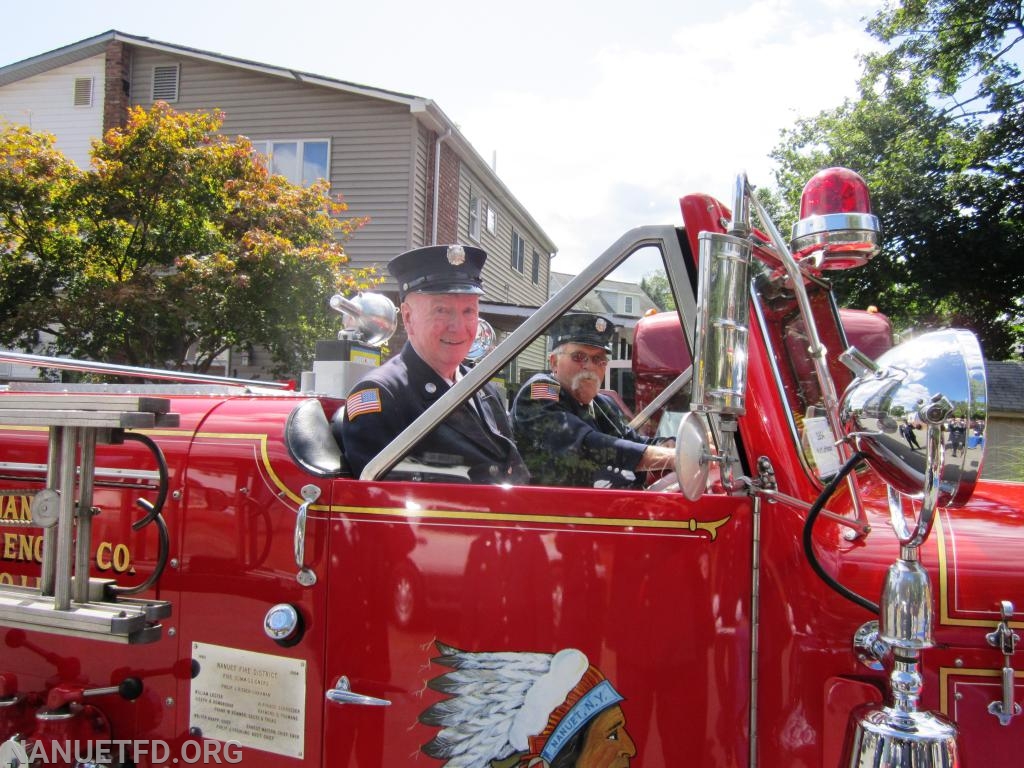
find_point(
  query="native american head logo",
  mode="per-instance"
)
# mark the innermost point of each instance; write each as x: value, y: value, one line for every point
x: 525, y: 710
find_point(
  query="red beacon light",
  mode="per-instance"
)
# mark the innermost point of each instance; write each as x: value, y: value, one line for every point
x: 836, y: 229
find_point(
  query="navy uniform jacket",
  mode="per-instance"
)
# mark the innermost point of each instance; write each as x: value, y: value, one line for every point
x: 564, y: 444
x: 473, y: 440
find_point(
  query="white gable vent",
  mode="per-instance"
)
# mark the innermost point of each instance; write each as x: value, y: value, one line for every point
x: 165, y: 82
x: 83, y: 91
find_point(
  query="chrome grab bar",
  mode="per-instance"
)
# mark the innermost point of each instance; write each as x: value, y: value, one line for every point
x: 306, y: 577
x: 342, y: 694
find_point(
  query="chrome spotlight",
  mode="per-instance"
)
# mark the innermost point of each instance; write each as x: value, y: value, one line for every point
x: 370, y: 317
x: 919, y: 415
x: 934, y: 386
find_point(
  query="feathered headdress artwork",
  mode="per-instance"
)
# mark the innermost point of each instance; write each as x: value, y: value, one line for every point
x: 497, y: 702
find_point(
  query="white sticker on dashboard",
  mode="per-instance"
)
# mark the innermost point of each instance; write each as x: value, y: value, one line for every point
x: 822, y: 443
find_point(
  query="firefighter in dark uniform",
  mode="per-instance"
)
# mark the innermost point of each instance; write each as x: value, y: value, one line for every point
x: 439, y: 288
x: 568, y: 432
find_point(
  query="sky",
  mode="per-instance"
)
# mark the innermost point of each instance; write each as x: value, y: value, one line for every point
x: 598, y: 115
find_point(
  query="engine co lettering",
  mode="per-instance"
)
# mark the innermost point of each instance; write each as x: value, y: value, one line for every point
x: 18, y: 546
x: 116, y: 557
x: 22, y: 546
x: 25, y: 544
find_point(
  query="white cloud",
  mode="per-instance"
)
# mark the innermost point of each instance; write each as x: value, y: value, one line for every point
x: 654, y: 124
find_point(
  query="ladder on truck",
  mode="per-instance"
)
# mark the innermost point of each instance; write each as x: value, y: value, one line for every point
x: 67, y: 601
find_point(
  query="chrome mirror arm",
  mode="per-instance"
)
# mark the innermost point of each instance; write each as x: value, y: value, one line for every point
x: 930, y: 499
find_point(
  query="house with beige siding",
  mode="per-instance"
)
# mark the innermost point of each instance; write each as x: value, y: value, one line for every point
x: 395, y: 157
x: 1004, y: 435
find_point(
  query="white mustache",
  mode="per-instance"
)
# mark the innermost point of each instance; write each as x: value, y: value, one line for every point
x: 584, y: 376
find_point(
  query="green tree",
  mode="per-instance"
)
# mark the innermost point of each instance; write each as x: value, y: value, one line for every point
x: 175, y: 246
x: 39, y: 241
x: 936, y: 132
x: 655, y: 284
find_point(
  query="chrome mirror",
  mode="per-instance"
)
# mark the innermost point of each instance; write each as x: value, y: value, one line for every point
x: 693, y: 456
x: 921, y: 416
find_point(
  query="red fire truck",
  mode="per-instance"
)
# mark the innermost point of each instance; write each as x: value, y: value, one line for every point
x: 190, y: 574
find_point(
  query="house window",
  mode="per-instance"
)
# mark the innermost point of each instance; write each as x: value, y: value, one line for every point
x: 518, y: 251
x: 83, y: 91
x: 165, y: 83
x: 474, y: 218
x: 627, y: 305
x: 481, y: 214
x: 300, y: 161
x: 536, y: 268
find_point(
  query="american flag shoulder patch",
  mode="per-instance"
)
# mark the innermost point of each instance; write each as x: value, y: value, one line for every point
x: 544, y: 390
x: 364, y: 401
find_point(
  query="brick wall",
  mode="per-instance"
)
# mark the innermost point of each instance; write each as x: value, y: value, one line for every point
x: 116, y: 85
x: 448, y: 209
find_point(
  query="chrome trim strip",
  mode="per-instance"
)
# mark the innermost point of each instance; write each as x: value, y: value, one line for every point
x: 90, y: 366
x: 755, y: 610
x: 835, y: 222
x: 131, y: 474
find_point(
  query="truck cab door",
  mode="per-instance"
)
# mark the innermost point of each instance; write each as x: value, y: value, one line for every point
x: 654, y: 591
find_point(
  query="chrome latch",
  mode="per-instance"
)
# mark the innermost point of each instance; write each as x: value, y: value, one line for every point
x: 1005, y: 640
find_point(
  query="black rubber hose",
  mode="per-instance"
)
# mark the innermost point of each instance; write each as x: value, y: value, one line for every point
x: 812, y: 515
x: 153, y: 515
x: 163, y: 550
x: 155, y: 508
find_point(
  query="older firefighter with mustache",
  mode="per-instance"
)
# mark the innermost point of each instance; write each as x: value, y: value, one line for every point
x: 567, y: 431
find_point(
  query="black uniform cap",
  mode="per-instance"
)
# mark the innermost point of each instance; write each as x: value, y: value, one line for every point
x: 439, y: 269
x: 592, y: 330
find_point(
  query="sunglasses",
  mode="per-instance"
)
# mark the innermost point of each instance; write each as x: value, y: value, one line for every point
x: 582, y: 357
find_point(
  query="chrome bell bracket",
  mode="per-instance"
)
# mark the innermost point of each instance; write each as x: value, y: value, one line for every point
x: 871, y: 649
x: 1005, y: 640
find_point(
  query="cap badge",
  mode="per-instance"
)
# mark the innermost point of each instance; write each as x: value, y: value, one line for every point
x: 456, y: 255
x: 600, y: 325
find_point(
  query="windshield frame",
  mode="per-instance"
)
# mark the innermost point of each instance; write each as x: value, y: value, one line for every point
x: 666, y: 238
